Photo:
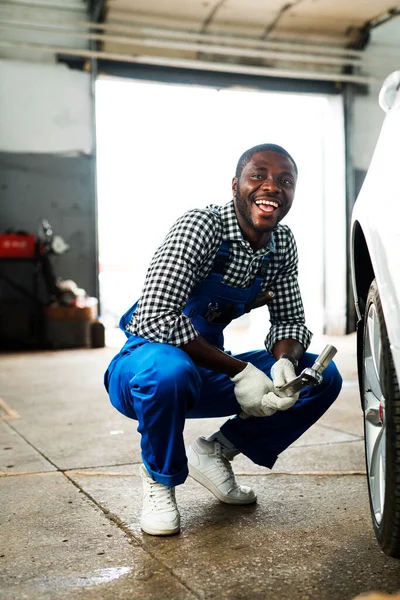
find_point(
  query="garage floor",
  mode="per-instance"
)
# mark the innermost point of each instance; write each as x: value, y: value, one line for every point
x: 71, y: 496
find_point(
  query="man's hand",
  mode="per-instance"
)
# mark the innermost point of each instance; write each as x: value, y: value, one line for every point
x: 282, y: 372
x: 273, y: 402
x: 251, y: 385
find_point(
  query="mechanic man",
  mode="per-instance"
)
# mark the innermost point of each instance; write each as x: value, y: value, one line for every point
x: 215, y: 264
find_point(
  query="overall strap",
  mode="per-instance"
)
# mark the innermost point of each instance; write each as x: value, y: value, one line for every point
x: 262, y: 271
x: 222, y: 259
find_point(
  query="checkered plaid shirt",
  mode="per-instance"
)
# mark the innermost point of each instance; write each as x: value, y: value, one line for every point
x: 185, y: 258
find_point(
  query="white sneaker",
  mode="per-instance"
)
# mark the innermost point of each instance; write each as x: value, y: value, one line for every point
x: 209, y: 465
x: 160, y: 514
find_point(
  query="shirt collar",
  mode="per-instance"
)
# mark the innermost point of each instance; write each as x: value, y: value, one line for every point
x: 232, y: 231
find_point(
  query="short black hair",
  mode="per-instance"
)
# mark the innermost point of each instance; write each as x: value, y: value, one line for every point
x: 246, y: 156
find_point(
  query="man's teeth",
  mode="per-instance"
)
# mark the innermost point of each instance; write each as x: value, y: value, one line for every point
x: 274, y: 204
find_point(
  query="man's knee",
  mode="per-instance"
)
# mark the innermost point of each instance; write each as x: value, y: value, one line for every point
x: 332, y: 374
x: 332, y: 381
x: 168, y: 370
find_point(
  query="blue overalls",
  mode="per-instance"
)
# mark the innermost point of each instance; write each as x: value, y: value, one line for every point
x: 160, y: 386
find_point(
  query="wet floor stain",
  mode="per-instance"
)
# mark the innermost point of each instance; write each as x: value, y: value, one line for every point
x: 97, y: 577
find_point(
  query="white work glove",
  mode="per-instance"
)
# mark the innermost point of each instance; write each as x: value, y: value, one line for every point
x: 281, y: 372
x: 251, y: 384
x: 273, y: 402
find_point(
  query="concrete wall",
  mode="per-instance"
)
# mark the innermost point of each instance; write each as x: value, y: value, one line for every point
x: 60, y: 189
x: 47, y: 160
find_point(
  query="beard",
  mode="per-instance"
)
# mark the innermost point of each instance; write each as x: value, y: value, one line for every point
x: 243, y: 208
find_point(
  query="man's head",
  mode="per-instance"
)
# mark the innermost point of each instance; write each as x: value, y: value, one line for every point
x: 246, y: 156
x: 263, y: 190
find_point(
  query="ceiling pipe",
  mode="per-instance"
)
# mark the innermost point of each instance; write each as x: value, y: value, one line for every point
x: 238, y: 40
x: 59, y: 5
x: 193, y: 64
x: 188, y: 46
x: 203, y: 37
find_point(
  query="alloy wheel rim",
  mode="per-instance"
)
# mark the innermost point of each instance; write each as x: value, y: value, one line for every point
x: 374, y: 413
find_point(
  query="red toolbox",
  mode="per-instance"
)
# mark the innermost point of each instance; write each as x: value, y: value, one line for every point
x: 16, y: 245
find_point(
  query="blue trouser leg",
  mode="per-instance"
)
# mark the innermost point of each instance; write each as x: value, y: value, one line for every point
x: 160, y: 386
x: 262, y: 439
x: 156, y: 384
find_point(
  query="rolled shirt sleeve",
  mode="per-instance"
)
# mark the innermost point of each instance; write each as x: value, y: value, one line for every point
x: 286, y: 308
x: 179, y: 264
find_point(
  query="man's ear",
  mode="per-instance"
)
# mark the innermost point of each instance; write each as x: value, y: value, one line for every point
x: 234, y: 186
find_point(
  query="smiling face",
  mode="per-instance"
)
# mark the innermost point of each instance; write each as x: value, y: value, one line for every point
x: 263, y: 195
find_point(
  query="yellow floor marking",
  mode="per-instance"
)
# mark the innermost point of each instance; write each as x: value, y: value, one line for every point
x: 301, y: 473
x: 9, y: 413
x: 94, y: 474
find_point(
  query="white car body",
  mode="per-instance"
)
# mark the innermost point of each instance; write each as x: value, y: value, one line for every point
x: 375, y: 268
x: 376, y: 218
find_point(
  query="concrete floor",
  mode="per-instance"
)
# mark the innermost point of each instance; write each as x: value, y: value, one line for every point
x: 71, y: 496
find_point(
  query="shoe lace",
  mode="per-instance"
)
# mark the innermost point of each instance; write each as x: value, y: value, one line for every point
x: 161, y: 496
x: 225, y: 465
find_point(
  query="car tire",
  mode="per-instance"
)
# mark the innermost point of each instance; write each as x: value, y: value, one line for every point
x: 381, y: 406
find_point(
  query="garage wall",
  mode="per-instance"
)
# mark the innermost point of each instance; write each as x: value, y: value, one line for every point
x: 47, y: 161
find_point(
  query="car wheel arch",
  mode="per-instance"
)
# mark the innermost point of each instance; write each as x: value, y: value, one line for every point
x: 363, y: 276
x: 363, y: 271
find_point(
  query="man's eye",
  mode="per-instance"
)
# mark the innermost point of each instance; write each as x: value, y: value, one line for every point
x: 257, y: 176
x: 287, y: 181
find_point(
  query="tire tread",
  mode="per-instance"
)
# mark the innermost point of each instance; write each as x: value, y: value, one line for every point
x: 388, y: 530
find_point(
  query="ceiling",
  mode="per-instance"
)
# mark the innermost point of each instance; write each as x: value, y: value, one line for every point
x: 300, y: 39
x: 304, y: 39
x: 336, y: 22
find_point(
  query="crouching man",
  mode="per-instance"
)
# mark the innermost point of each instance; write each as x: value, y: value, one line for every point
x: 215, y: 264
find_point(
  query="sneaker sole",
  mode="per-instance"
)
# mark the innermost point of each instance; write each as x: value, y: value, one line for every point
x: 161, y: 532
x: 200, y: 478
